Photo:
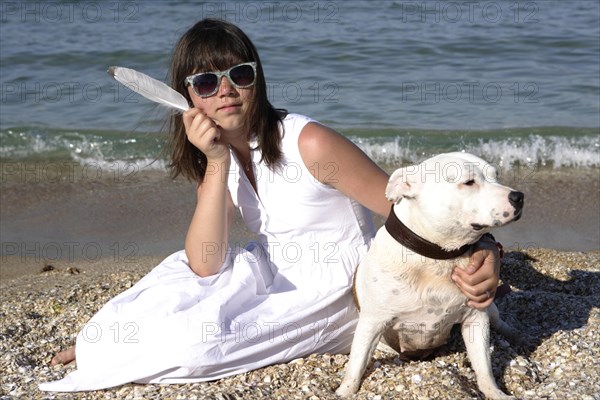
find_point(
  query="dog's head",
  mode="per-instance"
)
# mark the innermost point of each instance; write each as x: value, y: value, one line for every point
x: 452, y: 199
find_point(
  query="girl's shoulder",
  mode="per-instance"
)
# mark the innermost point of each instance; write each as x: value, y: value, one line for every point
x: 297, y: 121
x: 291, y: 127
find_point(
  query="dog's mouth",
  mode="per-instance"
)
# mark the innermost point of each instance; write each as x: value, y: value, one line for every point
x: 518, y: 214
x: 479, y: 227
x: 516, y: 217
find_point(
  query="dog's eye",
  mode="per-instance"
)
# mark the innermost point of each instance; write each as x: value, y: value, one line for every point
x: 470, y: 182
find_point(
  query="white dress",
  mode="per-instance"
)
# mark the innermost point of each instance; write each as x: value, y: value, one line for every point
x: 284, y: 296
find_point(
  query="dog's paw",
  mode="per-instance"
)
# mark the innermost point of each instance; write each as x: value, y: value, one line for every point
x: 347, y: 388
x: 501, y: 396
x: 492, y: 392
x: 496, y: 394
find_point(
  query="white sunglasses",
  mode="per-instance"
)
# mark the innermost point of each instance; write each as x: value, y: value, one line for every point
x: 206, y: 84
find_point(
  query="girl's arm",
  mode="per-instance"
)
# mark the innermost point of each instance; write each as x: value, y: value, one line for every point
x: 359, y: 178
x: 207, y: 238
x: 206, y: 242
x: 323, y: 150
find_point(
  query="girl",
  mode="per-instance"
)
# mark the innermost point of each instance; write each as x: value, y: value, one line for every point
x: 210, y: 312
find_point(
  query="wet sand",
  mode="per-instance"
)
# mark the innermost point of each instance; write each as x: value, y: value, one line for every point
x: 120, y: 219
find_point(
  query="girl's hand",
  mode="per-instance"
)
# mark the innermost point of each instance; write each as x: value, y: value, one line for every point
x: 203, y: 133
x: 480, y: 280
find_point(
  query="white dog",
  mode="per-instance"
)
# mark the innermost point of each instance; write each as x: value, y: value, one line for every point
x: 403, y: 287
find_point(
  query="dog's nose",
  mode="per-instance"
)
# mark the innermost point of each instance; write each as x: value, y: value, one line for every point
x: 516, y: 199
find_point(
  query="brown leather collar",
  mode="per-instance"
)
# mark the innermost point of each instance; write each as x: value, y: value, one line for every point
x: 413, y: 242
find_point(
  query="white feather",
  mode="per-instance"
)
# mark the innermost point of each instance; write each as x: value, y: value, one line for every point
x: 149, y: 87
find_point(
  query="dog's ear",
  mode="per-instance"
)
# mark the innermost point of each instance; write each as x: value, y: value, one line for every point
x: 402, y: 183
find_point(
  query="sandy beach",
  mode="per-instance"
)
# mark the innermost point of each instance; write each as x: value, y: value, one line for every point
x: 97, y: 237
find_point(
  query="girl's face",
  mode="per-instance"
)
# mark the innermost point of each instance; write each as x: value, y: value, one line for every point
x: 227, y: 107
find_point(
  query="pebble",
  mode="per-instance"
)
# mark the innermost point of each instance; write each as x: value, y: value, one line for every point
x: 554, y: 301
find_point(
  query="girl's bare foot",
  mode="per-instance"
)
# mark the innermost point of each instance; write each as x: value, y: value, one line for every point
x: 64, y: 357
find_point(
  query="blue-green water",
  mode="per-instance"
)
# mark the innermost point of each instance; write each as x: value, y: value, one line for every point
x: 513, y: 81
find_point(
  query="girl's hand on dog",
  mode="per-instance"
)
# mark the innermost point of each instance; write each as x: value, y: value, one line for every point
x: 480, y: 280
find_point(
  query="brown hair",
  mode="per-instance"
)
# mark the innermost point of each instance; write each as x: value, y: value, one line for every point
x: 211, y: 45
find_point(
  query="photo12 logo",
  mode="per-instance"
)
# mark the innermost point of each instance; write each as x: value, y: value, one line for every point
x: 69, y: 171
x: 269, y: 11
x: 303, y: 92
x: 69, y: 251
x: 472, y: 92
x: 469, y: 12
x: 54, y: 12
x: 53, y: 92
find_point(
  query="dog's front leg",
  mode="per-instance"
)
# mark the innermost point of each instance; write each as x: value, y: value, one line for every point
x: 476, y: 334
x: 367, y: 335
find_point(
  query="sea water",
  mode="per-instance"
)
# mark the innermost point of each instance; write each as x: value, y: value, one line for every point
x: 512, y: 81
